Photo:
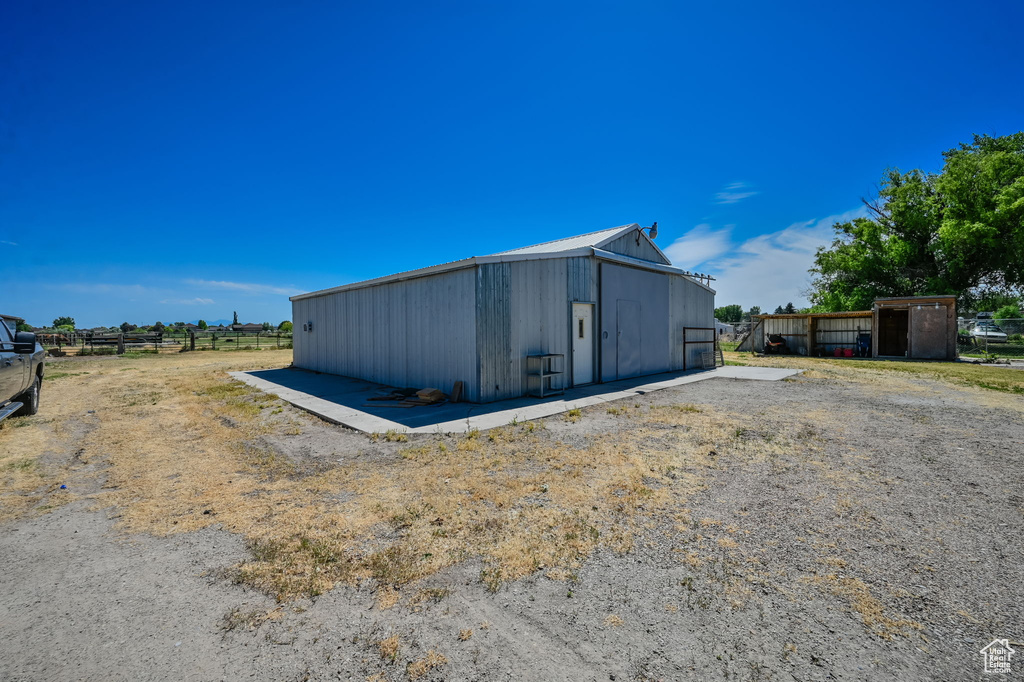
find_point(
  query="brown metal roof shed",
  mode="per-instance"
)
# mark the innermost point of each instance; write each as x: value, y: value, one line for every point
x: 921, y: 327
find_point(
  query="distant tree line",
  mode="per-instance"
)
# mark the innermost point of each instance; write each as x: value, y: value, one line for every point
x: 734, y: 313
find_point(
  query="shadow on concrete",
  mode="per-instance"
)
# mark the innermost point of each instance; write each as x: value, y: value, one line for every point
x: 353, y: 395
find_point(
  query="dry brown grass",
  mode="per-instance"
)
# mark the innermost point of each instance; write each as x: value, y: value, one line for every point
x: 988, y: 384
x: 182, y: 450
x: 421, y: 666
x: 871, y: 611
x: 389, y: 648
x: 182, y: 447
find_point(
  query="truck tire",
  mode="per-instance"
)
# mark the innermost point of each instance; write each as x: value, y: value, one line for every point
x: 31, y: 400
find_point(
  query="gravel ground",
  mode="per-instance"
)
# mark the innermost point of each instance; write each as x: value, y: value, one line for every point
x: 889, y: 548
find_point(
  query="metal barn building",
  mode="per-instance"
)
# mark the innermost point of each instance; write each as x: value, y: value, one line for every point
x: 608, y: 305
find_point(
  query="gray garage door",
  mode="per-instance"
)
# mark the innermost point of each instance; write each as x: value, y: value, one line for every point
x: 627, y: 350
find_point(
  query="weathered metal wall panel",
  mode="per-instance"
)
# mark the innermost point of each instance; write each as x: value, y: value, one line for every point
x: 415, y: 333
x: 690, y: 305
x: 793, y: 330
x: 839, y: 332
x: 539, y: 317
x: 627, y: 246
x: 582, y: 279
x: 498, y: 370
x: 830, y: 333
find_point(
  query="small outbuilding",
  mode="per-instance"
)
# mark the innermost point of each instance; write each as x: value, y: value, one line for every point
x: 594, y: 308
x: 922, y: 327
x: 916, y: 327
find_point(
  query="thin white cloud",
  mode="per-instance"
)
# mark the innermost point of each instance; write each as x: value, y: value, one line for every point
x: 772, y: 269
x: 699, y: 245
x: 7, y: 243
x: 188, y: 301
x: 104, y: 289
x: 245, y: 287
x: 734, y: 193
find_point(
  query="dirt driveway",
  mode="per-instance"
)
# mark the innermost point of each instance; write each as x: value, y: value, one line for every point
x: 858, y: 522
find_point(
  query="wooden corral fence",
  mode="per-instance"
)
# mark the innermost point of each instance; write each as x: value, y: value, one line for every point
x: 110, y: 343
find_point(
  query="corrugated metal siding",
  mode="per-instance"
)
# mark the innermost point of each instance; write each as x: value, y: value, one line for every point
x: 539, y: 309
x: 794, y: 330
x: 627, y: 246
x: 478, y: 325
x: 498, y: 371
x: 832, y: 332
x: 690, y: 305
x: 414, y: 333
x: 842, y: 332
x: 582, y: 282
x: 651, y: 291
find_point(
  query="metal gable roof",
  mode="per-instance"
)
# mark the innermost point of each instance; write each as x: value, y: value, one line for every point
x: 593, y: 239
x: 590, y: 244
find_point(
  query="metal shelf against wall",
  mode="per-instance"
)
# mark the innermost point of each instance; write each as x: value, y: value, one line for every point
x: 545, y: 374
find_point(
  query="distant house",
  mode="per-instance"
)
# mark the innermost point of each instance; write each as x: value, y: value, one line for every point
x: 249, y: 327
x: 193, y: 327
x: 217, y: 328
x: 721, y: 328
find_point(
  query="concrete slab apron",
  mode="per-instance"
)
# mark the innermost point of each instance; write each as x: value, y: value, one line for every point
x: 342, y: 400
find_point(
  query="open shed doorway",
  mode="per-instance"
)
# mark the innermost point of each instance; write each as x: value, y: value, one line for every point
x: 892, y: 332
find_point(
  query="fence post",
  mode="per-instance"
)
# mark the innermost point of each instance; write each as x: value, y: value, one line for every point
x: 257, y: 340
x: 213, y: 339
x: 120, y: 344
x: 191, y: 340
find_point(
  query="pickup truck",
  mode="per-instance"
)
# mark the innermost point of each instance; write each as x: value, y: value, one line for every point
x: 21, y: 371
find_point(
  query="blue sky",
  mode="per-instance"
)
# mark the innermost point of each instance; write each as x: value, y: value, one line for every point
x: 183, y: 160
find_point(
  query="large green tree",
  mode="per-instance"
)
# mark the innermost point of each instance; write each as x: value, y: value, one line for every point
x: 730, y: 314
x: 64, y: 322
x: 960, y: 231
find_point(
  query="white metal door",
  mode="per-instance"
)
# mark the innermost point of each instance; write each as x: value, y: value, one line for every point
x: 582, y: 344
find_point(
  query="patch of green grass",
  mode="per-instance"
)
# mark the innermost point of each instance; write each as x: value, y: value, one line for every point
x: 61, y: 375
x: 105, y: 350
x: 135, y: 354
x: 20, y: 465
x: 1019, y: 390
x: 395, y: 566
x: 687, y: 408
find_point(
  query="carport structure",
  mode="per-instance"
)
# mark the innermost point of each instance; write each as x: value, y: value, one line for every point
x: 912, y: 327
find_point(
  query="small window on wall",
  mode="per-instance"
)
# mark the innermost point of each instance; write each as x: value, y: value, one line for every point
x: 581, y: 327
